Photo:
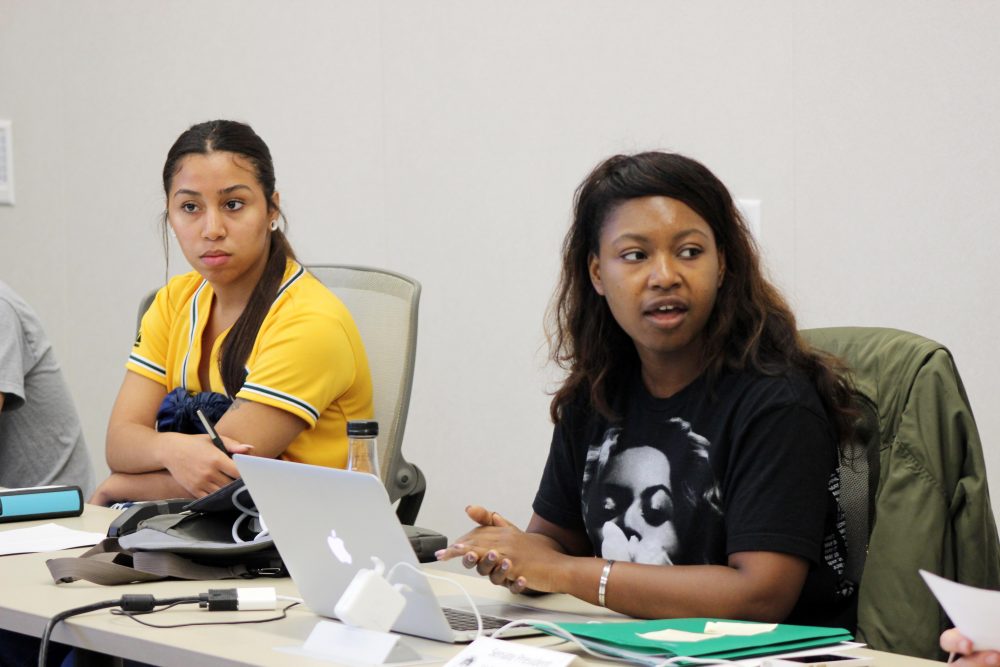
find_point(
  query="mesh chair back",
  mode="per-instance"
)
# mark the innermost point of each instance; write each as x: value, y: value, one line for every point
x: 384, y: 306
x: 858, y: 483
x: 859, y: 474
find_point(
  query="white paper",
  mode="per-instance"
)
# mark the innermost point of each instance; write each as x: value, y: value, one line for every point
x: 738, y: 629
x: 713, y: 630
x: 669, y: 635
x: 488, y: 652
x: 822, y: 650
x: 47, y: 537
x: 972, y: 610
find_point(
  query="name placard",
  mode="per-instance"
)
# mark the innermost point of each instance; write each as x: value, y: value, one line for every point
x: 487, y: 652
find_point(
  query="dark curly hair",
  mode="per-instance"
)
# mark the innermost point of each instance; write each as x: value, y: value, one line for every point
x: 750, y: 328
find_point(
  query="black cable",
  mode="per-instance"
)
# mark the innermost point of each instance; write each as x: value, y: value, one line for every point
x: 134, y: 614
x: 120, y: 612
x: 134, y: 603
x: 43, y: 648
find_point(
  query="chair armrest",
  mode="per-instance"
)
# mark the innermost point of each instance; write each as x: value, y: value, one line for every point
x: 411, y: 484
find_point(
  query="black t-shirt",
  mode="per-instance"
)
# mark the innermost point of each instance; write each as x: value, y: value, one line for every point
x: 749, y: 464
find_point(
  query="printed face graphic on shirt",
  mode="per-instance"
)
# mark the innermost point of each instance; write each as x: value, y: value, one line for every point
x: 637, y: 495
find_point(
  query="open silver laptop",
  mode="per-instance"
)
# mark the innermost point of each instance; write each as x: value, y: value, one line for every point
x: 328, y: 523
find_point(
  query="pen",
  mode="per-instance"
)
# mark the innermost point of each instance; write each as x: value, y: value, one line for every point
x: 216, y: 440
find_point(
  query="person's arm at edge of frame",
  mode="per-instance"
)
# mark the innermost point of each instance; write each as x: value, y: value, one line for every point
x: 954, y: 642
x: 757, y: 585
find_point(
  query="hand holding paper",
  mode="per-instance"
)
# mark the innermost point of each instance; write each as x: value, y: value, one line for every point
x: 953, y: 642
x: 972, y: 610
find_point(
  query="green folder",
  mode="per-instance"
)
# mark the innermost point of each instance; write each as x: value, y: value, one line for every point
x: 623, y: 640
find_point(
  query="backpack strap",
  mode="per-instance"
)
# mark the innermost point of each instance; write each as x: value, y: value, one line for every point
x: 105, y: 564
x: 162, y: 564
x: 109, y: 564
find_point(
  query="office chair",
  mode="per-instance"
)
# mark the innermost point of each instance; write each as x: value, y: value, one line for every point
x: 913, y: 486
x: 384, y: 306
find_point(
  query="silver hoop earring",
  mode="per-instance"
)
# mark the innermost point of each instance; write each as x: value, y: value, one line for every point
x: 274, y: 225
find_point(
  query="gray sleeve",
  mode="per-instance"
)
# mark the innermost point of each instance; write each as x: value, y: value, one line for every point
x: 12, y: 358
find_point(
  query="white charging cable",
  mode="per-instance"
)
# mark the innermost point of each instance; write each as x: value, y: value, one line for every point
x: 475, y: 609
x: 245, y: 512
x: 558, y: 631
x: 552, y: 628
x: 562, y: 633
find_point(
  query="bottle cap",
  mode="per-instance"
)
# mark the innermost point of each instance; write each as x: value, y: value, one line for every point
x: 362, y: 428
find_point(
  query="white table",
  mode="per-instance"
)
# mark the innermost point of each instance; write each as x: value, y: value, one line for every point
x: 28, y: 598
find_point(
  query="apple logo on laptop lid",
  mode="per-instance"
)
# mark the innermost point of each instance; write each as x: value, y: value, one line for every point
x: 338, y: 548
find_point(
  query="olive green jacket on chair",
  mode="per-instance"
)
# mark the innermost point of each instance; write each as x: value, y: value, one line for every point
x: 931, y: 504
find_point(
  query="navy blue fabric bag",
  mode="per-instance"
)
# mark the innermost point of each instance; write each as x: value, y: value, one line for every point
x: 178, y: 411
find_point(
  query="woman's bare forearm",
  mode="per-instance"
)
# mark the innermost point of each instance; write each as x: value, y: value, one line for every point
x: 136, y: 448
x: 681, y: 591
x: 144, y: 486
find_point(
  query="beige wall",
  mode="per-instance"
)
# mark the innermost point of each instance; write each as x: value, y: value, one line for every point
x: 444, y: 140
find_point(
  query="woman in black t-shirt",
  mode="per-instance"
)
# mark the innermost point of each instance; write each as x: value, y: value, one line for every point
x: 695, y: 447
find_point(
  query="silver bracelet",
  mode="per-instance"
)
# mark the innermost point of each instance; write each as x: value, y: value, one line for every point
x: 602, y: 587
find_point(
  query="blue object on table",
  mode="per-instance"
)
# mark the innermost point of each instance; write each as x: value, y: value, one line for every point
x: 40, y: 502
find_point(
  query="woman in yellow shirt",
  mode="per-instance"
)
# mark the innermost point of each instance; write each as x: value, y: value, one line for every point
x: 248, y: 323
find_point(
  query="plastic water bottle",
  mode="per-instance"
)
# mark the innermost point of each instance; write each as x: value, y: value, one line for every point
x: 362, y: 447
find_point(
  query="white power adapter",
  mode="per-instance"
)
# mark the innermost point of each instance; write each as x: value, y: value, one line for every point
x: 370, y: 601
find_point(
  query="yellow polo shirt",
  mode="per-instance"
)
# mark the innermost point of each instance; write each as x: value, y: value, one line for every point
x: 308, y: 358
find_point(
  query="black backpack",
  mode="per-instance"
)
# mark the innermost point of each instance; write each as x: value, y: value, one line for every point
x: 215, y: 537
